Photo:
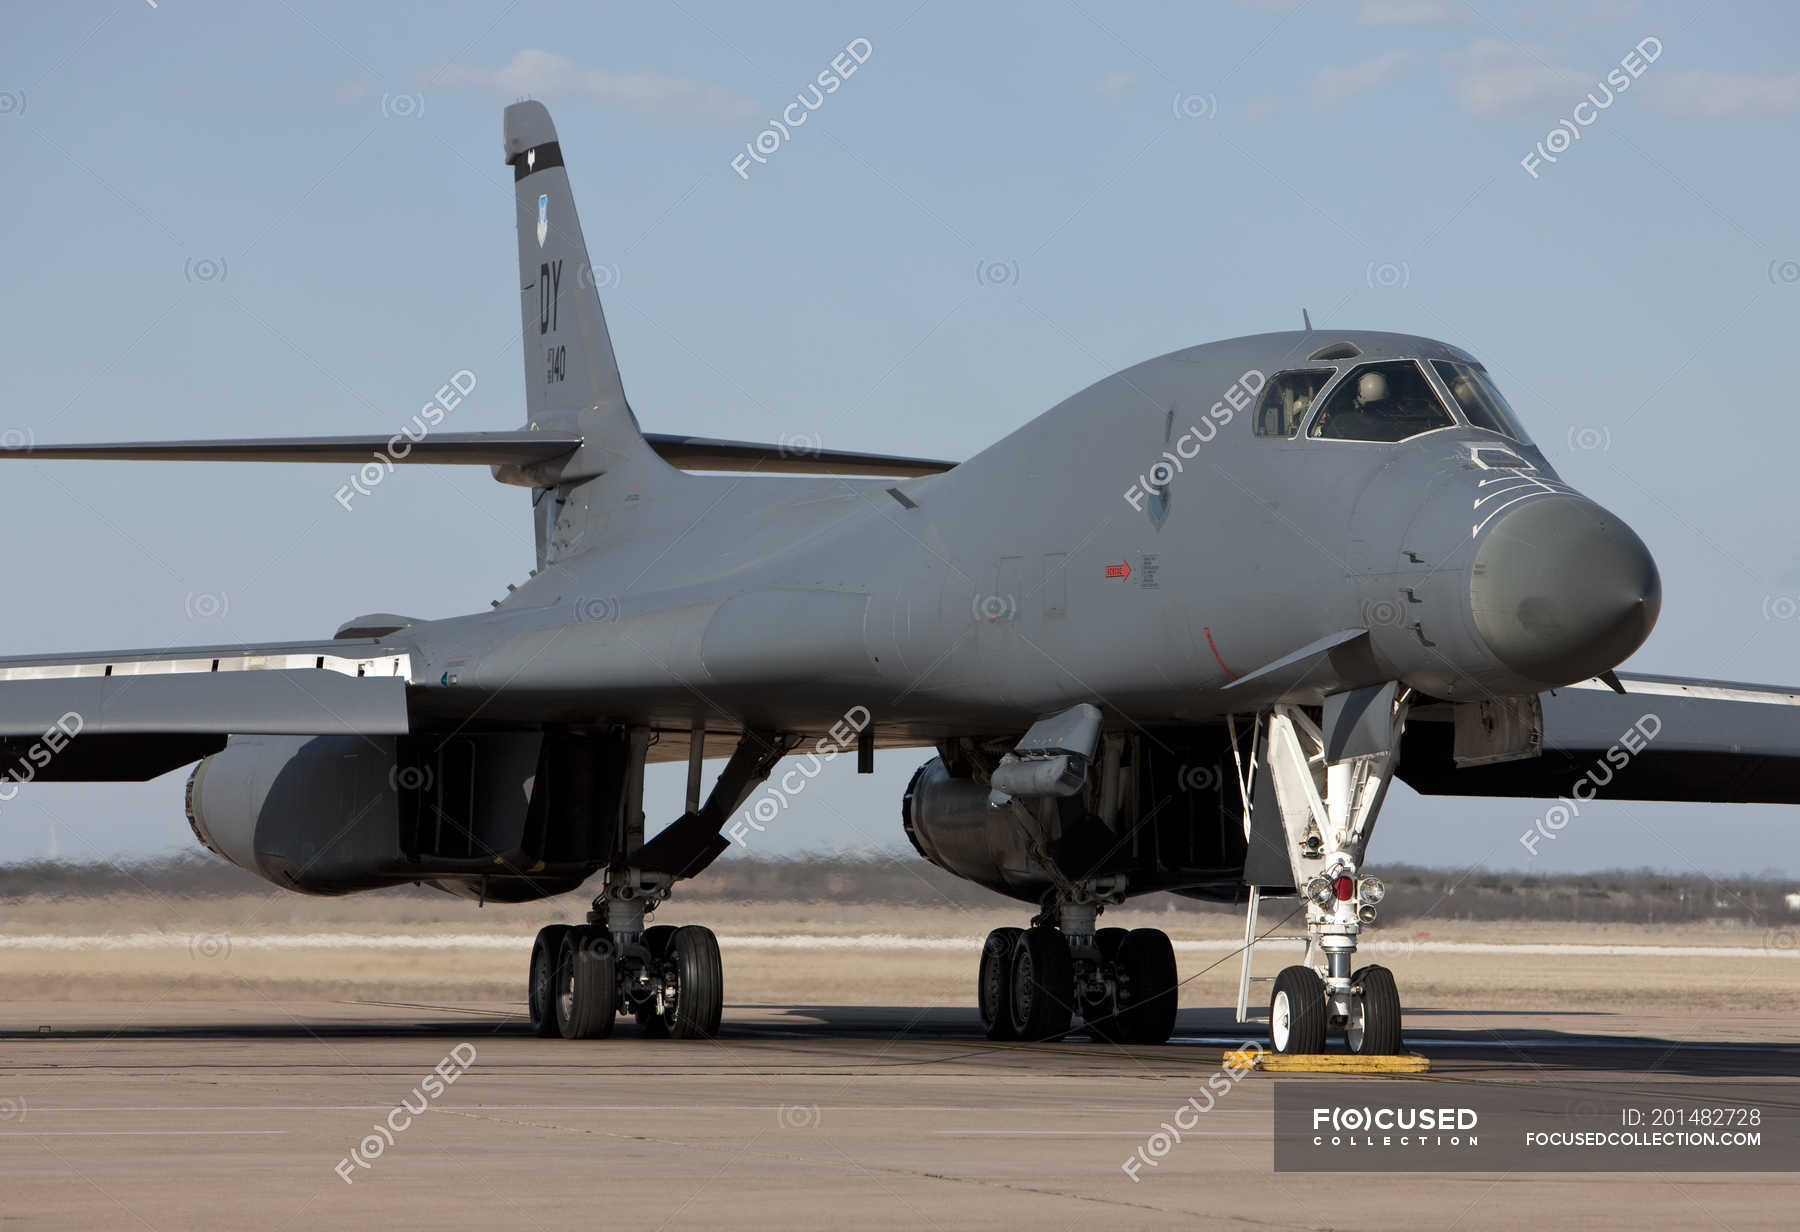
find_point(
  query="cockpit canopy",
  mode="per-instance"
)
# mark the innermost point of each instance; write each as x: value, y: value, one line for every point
x: 1478, y: 398
x: 1287, y: 398
x: 1384, y: 401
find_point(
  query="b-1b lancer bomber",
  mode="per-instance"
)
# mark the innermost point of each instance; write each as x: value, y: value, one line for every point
x: 1178, y: 633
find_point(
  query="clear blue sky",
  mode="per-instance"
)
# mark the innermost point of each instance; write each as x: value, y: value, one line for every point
x: 223, y: 219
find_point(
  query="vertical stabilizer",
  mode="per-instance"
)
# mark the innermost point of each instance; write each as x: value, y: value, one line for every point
x: 571, y: 376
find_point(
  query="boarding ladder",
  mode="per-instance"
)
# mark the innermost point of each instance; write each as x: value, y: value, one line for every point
x: 1247, y: 976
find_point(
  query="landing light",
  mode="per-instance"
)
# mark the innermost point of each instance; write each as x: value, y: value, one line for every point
x: 1370, y: 890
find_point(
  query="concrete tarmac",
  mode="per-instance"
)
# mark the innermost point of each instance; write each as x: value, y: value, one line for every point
x: 172, y: 1115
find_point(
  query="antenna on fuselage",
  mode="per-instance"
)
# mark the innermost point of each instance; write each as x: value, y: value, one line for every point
x: 1306, y: 319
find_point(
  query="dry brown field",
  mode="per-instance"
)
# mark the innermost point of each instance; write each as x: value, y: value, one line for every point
x: 273, y: 946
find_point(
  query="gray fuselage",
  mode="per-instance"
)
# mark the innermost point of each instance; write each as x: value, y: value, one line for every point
x: 1061, y: 565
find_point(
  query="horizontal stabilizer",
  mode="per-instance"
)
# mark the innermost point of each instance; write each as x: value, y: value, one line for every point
x: 505, y: 449
x: 440, y: 449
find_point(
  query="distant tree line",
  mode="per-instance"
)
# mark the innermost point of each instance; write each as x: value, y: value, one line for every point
x: 1643, y: 896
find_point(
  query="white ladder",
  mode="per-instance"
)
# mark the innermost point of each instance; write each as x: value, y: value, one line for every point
x: 1251, y: 941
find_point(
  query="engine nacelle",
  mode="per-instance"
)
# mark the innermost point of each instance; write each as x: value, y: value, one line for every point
x: 951, y: 823
x: 314, y: 814
x: 510, y: 817
x: 1160, y: 810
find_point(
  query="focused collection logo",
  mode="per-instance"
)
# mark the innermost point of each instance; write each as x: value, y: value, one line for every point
x: 1394, y: 1125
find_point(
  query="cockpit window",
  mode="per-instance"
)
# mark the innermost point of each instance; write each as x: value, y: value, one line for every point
x: 1480, y: 400
x: 1287, y: 398
x: 1387, y: 401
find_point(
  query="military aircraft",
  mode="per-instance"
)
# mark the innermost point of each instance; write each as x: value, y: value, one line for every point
x: 1178, y: 633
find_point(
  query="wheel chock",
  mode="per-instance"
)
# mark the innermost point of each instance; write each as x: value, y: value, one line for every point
x: 1326, y: 1062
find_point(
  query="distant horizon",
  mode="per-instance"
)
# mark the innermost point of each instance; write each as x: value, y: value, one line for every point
x: 873, y: 857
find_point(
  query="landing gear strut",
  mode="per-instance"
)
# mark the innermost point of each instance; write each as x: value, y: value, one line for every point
x: 1327, y: 791
x: 1033, y: 982
x: 669, y: 980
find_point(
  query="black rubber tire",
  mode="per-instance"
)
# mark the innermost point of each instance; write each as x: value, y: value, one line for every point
x: 1355, y: 980
x: 1102, y: 1020
x: 657, y: 939
x: 1043, y: 985
x: 1148, y: 987
x: 699, y: 984
x: 1380, y: 1035
x: 1298, y: 1001
x: 587, y: 992
x: 993, y: 983
x: 541, y: 984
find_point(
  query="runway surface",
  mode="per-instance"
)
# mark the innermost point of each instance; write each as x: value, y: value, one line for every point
x: 175, y: 1115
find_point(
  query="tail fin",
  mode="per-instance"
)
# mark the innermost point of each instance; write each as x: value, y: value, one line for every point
x: 571, y: 377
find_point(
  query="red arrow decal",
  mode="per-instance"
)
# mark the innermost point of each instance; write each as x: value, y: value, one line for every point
x: 1119, y: 571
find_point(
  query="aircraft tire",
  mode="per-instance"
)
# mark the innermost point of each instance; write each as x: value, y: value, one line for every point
x: 546, y: 950
x: 1374, y: 1026
x: 1297, y: 1012
x: 993, y: 983
x: 1148, y: 987
x: 1043, y: 985
x: 699, y: 983
x: 587, y: 993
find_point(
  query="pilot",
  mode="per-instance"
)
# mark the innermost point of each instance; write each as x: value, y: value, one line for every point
x: 1355, y: 421
x: 1283, y: 407
x: 1371, y: 387
x: 1300, y: 403
x: 1372, y: 406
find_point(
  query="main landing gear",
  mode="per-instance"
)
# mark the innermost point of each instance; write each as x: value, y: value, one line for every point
x: 670, y: 980
x: 1034, y: 981
x: 584, y: 977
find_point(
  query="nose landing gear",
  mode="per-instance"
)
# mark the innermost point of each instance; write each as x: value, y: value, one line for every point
x: 1326, y: 794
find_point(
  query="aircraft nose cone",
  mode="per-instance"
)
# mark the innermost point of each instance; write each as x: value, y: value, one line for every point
x: 1562, y: 590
